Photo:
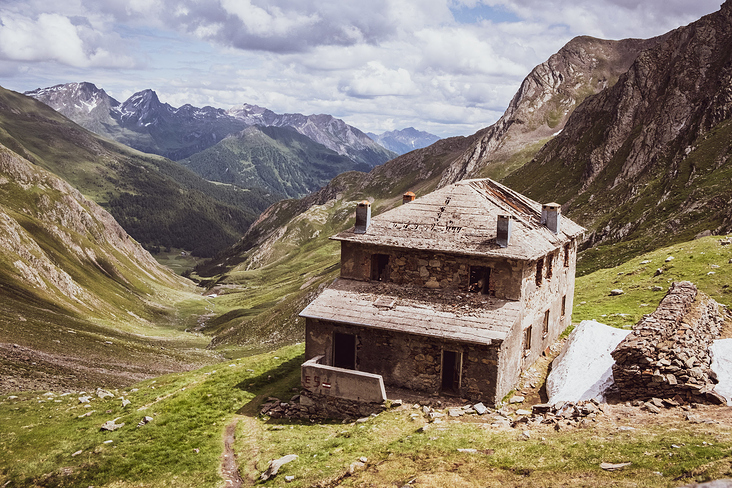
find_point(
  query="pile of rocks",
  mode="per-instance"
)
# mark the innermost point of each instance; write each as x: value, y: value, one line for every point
x: 667, y: 353
x: 561, y: 414
x: 308, y: 405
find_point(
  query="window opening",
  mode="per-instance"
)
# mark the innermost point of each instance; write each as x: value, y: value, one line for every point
x: 545, y: 325
x: 527, y: 338
x: 539, y: 271
x: 344, y: 350
x: 480, y: 281
x: 549, y: 266
x: 451, y: 366
x: 564, y: 305
x: 380, y: 267
x: 566, y: 255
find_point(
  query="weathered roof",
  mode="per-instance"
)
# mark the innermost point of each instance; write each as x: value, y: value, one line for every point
x: 461, y: 218
x: 365, y: 304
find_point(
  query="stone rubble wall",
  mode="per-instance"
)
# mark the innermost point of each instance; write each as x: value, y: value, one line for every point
x: 667, y: 353
x: 313, y: 406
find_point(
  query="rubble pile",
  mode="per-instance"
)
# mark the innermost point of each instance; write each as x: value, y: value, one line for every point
x: 308, y: 405
x: 667, y: 353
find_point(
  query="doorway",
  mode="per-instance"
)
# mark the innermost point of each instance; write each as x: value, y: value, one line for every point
x: 451, y: 366
x: 344, y: 350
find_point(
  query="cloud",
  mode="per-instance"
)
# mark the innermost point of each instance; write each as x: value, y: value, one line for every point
x: 375, y: 80
x: 54, y: 37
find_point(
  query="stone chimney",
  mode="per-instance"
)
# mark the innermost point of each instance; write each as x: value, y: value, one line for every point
x: 503, y: 236
x: 408, y: 197
x: 363, y: 217
x: 551, y: 216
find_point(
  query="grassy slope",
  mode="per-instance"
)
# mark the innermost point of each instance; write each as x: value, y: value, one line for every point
x: 704, y: 262
x: 156, y: 200
x: 47, y: 440
x: 670, y: 205
x: 124, y: 316
x: 278, y: 159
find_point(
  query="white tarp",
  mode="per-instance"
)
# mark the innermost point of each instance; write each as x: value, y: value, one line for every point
x: 583, y: 370
x: 722, y: 365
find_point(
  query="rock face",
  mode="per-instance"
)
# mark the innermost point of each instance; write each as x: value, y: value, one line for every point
x: 660, y: 134
x: 667, y: 354
x: 547, y: 97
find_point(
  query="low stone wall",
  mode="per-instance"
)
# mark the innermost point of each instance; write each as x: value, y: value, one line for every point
x: 311, y: 406
x: 667, y: 353
x: 346, y: 384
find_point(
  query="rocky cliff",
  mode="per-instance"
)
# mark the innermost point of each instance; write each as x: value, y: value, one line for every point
x: 547, y: 97
x: 649, y: 156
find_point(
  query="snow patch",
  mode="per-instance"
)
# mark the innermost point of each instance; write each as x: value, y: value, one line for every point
x: 722, y: 365
x: 583, y: 370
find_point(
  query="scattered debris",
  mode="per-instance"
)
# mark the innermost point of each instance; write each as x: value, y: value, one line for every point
x: 275, y: 465
x: 102, y: 394
x: 145, y: 420
x: 614, y: 467
x: 615, y: 292
x: 111, y: 425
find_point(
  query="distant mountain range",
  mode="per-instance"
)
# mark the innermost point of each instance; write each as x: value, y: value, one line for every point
x: 146, y: 124
x: 405, y: 140
x: 157, y: 201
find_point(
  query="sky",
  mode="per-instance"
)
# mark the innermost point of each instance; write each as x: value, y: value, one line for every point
x: 448, y: 67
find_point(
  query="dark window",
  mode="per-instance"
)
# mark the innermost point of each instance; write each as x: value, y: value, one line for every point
x: 344, y: 350
x: 564, y: 305
x: 545, y: 325
x: 480, y: 281
x: 451, y: 364
x: 566, y: 255
x: 527, y: 338
x: 549, y: 266
x: 539, y: 271
x: 380, y: 267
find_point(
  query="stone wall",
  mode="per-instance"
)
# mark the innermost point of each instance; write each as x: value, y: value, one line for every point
x: 408, y: 360
x: 667, y: 353
x: 432, y: 270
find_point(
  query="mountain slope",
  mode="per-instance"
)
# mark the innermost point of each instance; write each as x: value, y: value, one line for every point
x: 404, y: 140
x: 146, y: 124
x: 156, y: 200
x: 544, y: 102
x: 81, y: 301
x: 324, y: 129
x: 646, y: 162
x: 277, y: 159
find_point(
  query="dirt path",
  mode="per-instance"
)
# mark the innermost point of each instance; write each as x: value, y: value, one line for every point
x: 229, y: 464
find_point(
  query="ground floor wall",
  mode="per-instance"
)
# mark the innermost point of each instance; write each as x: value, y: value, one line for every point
x: 415, y: 362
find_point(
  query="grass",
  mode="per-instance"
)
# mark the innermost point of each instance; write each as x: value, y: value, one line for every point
x: 704, y: 262
x: 41, y: 436
x: 183, y: 445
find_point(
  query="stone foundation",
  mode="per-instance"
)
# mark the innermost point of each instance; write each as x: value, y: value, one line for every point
x: 313, y: 406
x: 667, y: 354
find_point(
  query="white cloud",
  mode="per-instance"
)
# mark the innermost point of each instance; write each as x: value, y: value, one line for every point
x: 375, y: 80
x: 53, y: 37
x: 380, y: 65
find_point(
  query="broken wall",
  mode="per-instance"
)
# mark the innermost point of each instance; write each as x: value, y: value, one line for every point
x: 667, y: 353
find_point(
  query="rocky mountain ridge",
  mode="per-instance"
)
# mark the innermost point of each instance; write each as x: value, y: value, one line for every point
x: 157, y: 201
x: 404, y: 140
x: 146, y: 124
x: 546, y: 99
x: 279, y: 160
x: 655, y: 145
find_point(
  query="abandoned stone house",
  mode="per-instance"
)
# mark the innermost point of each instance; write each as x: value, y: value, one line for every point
x: 454, y: 293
